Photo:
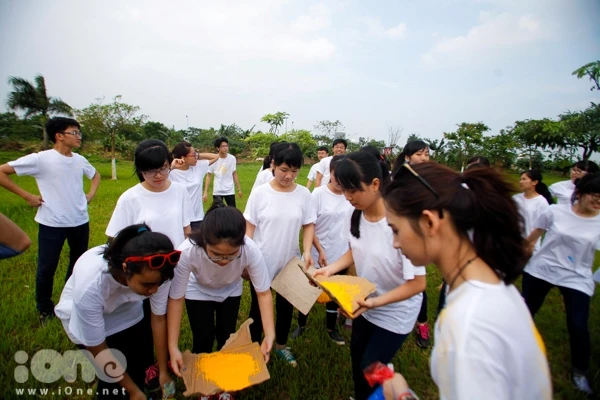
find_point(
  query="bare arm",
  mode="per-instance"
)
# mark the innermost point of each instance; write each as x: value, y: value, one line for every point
x: 322, y: 256
x: 7, y: 183
x: 265, y: 304
x: 12, y: 236
x: 250, y: 229
x: 309, y: 184
x: 402, y: 292
x: 211, y: 157
x: 159, y: 334
x: 344, y: 262
x: 307, y: 241
x: 106, y: 358
x: 236, y: 179
x: 187, y: 230
x: 93, y: 188
x: 319, y: 179
x: 532, y: 239
x: 206, y: 185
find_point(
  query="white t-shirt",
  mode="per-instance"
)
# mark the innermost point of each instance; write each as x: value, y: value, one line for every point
x: 223, y: 170
x: 312, y: 174
x: 567, y: 253
x: 562, y: 191
x: 332, y: 210
x: 60, y: 182
x: 264, y: 176
x: 487, y: 346
x: 377, y: 260
x: 167, y: 212
x: 198, y: 278
x: 93, y: 305
x: 323, y: 168
x: 278, y: 218
x: 530, y: 210
x: 193, y: 180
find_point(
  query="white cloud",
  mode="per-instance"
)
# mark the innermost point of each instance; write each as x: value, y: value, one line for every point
x: 376, y: 29
x: 317, y: 19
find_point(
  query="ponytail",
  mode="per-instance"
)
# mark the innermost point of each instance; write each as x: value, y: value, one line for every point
x: 221, y: 223
x: 540, y: 187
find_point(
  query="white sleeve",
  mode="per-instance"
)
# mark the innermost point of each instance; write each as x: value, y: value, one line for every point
x: 181, y: 274
x: 312, y: 174
x: 251, y: 211
x: 211, y: 168
x: 88, y: 169
x: 27, y: 165
x: 545, y: 219
x: 121, y: 218
x: 257, y: 269
x: 234, y: 167
x: 552, y: 189
x: 346, y: 229
x: 310, y: 210
x: 321, y: 168
x: 186, y: 215
x: 159, y: 300
x: 87, y: 312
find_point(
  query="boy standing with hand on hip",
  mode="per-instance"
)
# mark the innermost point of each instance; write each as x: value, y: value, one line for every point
x: 224, y: 170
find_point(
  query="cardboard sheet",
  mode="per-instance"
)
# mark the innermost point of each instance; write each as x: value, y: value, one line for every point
x: 293, y: 286
x: 362, y: 285
x: 225, y: 370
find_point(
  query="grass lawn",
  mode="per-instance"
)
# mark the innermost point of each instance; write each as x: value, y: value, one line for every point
x: 323, y: 370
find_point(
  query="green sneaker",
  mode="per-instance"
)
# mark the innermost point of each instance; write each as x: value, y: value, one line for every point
x: 286, y: 354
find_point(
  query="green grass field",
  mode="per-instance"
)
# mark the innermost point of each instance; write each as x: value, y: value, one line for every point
x: 323, y: 370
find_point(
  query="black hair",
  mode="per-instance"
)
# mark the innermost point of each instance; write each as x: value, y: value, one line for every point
x: 220, y: 140
x: 137, y: 240
x: 288, y: 153
x: 269, y: 158
x: 340, y: 140
x: 220, y: 223
x: 409, y: 149
x: 335, y: 160
x: 357, y: 168
x: 150, y: 154
x: 480, y: 203
x: 540, y: 187
x: 480, y: 160
x: 588, y: 184
x: 323, y: 148
x: 375, y: 151
x: 181, y: 149
x: 58, y: 125
x: 588, y: 166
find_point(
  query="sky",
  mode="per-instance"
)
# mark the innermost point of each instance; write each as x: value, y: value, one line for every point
x: 423, y: 66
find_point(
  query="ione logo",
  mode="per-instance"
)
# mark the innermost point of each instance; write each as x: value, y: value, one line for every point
x: 48, y: 366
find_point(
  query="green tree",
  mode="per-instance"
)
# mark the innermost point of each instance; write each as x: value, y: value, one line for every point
x: 110, y: 120
x: 13, y: 127
x: 275, y: 120
x: 591, y: 70
x: 260, y: 143
x: 465, y: 142
x: 304, y: 140
x: 33, y: 99
x: 580, y: 130
x: 329, y: 128
x: 412, y: 137
x: 502, y: 149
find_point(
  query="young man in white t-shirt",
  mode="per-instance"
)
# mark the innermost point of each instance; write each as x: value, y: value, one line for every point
x: 225, y: 173
x: 322, y: 152
x: 62, y: 203
x: 339, y: 147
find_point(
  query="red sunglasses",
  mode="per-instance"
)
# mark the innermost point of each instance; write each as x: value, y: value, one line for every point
x: 156, y: 261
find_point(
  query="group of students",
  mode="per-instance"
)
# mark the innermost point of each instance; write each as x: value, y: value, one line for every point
x: 163, y: 252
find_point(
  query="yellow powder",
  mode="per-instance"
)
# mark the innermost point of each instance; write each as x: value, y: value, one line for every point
x: 228, y: 371
x: 343, y: 292
x: 323, y: 298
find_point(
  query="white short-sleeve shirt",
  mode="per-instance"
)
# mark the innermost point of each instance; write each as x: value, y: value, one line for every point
x: 323, y: 168
x: 93, y: 305
x: 193, y: 180
x: 562, y: 191
x: 377, y: 260
x: 567, y: 253
x: 530, y: 210
x: 167, y: 212
x: 60, y: 182
x: 264, y: 176
x: 312, y: 174
x: 278, y: 218
x: 223, y: 170
x: 487, y: 346
x: 198, y: 278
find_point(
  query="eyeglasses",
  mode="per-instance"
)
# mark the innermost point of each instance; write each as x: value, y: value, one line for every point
x: 578, y: 171
x: 156, y: 261
x: 74, y: 133
x: 595, y: 196
x: 420, y: 179
x: 152, y: 172
x: 224, y: 258
x: 194, y: 155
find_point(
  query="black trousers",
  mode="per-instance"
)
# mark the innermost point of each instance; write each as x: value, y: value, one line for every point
x: 210, y: 319
x: 229, y: 199
x: 331, y: 314
x: 283, y: 322
x: 422, y: 318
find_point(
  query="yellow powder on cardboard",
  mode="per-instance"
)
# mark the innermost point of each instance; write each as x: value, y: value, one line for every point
x: 323, y: 298
x: 229, y: 371
x: 343, y: 292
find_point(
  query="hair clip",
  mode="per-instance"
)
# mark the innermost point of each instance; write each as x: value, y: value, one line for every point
x: 142, y: 229
x: 465, y: 185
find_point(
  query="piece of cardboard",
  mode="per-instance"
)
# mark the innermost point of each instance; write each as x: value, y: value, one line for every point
x: 238, y: 343
x: 293, y: 286
x: 366, y: 287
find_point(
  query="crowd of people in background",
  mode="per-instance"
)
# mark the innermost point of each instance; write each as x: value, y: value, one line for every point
x: 386, y: 224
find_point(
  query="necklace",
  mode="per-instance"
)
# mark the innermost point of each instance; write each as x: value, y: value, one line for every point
x: 451, y: 284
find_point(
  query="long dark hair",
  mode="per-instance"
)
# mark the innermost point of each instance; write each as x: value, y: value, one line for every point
x: 150, y: 154
x: 181, y: 149
x: 479, y: 203
x: 409, y: 149
x: 540, y: 187
x: 137, y: 240
x: 221, y: 223
x: 588, y: 184
x: 357, y: 168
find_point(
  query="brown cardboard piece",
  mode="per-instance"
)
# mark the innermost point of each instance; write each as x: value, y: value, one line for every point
x: 366, y: 287
x: 293, y: 286
x: 238, y: 343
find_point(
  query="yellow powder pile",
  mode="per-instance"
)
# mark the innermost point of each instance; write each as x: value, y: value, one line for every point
x: 323, y: 298
x: 229, y: 371
x: 343, y: 292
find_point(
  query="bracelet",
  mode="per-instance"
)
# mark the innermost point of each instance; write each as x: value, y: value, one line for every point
x: 408, y: 395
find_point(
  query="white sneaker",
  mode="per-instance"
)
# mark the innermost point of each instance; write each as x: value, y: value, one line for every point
x: 581, y: 383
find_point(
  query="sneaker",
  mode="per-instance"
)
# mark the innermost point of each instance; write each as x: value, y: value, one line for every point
x: 225, y: 396
x: 151, y: 379
x: 205, y: 397
x: 336, y: 337
x: 422, y: 335
x: 44, y: 317
x: 298, y: 332
x: 348, y: 323
x: 286, y: 354
x: 581, y: 383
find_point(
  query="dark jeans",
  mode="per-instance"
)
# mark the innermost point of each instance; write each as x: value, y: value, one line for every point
x: 132, y: 344
x: 201, y: 315
x: 422, y: 318
x: 370, y: 343
x: 330, y: 316
x: 577, y: 307
x: 229, y: 199
x: 195, y: 225
x: 50, y: 243
x: 283, y: 322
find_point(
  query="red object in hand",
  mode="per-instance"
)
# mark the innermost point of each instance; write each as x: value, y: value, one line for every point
x: 377, y: 373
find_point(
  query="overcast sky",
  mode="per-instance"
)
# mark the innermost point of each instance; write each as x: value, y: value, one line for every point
x: 422, y: 65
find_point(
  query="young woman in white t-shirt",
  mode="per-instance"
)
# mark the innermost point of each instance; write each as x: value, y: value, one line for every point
x: 189, y: 168
x: 266, y: 173
x: 534, y: 200
x: 209, y: 279
x: 565, y: 260
x: 486, y: 345
x: 275, y: 214
x: 563, y: 191
x: 101, y: 309
x: 381, y: 326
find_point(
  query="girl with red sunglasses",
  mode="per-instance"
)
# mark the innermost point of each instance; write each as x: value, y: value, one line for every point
x: 101, y: 309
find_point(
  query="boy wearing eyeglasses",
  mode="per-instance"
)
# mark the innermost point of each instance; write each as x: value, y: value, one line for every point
x: 62, y: 203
